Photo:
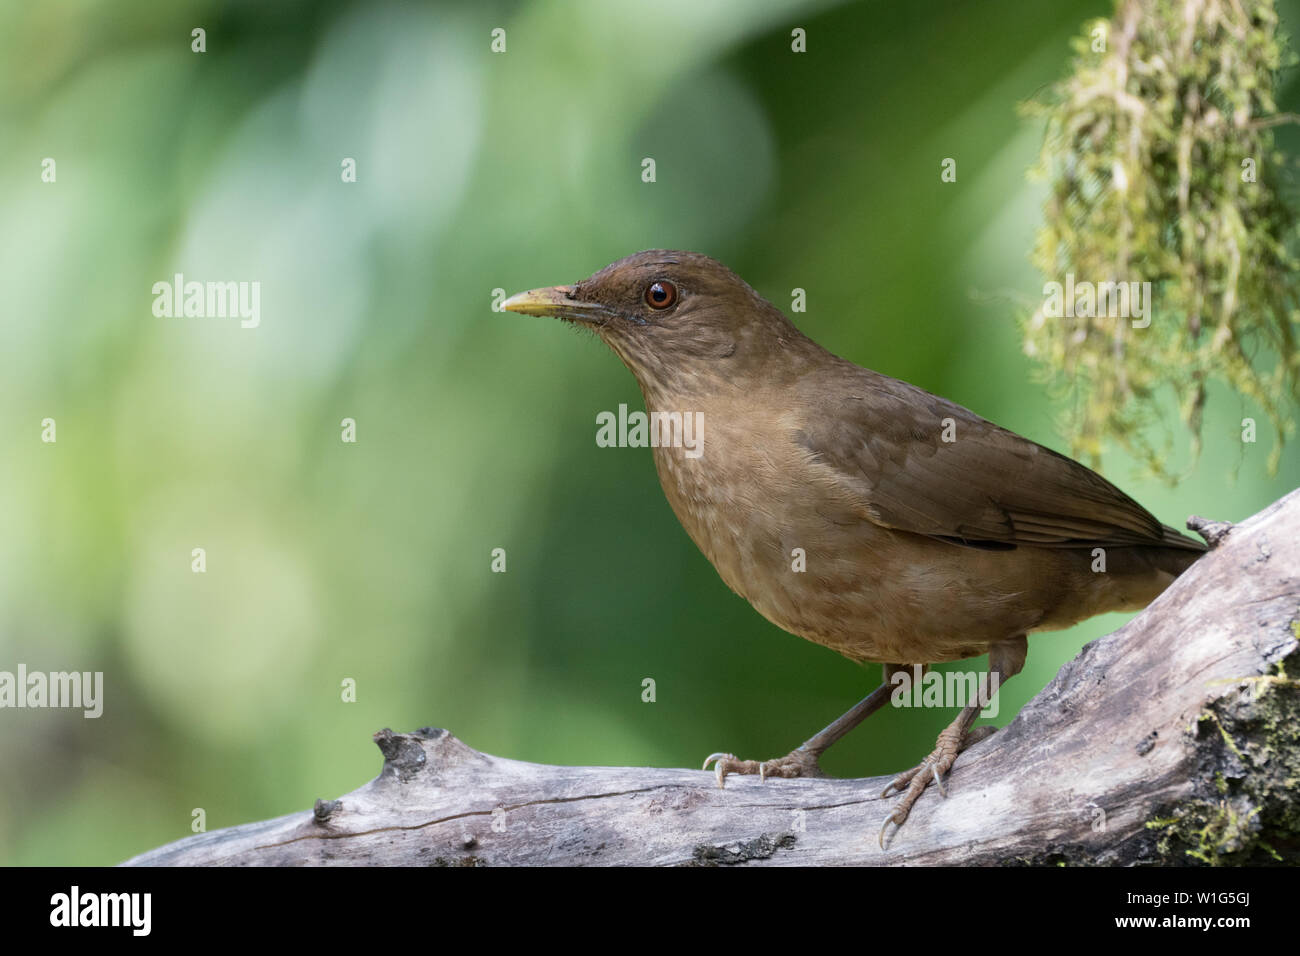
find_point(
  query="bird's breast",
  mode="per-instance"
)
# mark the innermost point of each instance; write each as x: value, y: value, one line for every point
x: 785, y: 535
x: 778, y: 534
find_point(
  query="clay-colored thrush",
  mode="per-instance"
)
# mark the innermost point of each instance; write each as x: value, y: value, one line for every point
x: 928, y: 533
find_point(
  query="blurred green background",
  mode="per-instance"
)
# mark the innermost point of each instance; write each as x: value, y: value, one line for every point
x: 476, y: 171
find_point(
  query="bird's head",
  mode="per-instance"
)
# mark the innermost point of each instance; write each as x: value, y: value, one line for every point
x: 678, y: 320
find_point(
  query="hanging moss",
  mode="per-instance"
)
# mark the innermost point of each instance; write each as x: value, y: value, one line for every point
x: 1161, y: 166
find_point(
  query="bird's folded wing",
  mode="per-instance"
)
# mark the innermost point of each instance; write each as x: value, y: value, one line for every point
x: 985, y: 487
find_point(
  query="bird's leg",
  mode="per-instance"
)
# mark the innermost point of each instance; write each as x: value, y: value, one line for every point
x: 802, y: 762
x: 1005, y: 661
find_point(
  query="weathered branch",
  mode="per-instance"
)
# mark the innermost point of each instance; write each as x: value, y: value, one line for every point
x: 1172, y: 740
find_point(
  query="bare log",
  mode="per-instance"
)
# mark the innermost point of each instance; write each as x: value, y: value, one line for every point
x: 1174, y: 740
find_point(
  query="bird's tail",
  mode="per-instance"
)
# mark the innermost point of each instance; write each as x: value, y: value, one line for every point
x: 1174, y: 538
x: 1176, y: 554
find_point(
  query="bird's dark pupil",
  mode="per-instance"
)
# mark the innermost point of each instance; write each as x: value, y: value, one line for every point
x: 659, y: 292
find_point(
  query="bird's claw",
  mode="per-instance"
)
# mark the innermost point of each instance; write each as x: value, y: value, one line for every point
x: 717, y: 756
x: 726, y: 763
x: 912, y: 783
x: 883, y: 828
x: 938, y: 781
x: 799, y: 763
x: 910, y: 780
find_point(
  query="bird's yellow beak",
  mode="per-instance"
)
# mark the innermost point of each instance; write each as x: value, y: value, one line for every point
x: 561, y: 302
x: 556, y: 300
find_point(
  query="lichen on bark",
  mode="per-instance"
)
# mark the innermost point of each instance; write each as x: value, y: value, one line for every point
x: 1247, y: 752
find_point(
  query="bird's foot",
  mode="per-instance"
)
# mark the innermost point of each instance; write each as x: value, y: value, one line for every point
x: 797, y: 763
x: 932, y: 769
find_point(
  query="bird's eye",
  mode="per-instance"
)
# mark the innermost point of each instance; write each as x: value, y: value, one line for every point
x: 660, y: 295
